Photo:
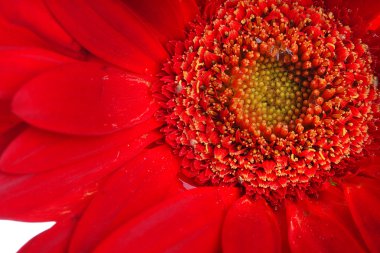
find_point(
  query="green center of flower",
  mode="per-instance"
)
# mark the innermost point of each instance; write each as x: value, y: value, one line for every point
x: 273, y: 98
x: 267, y: 96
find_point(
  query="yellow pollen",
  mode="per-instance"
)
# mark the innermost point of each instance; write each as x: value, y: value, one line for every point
x: 267, y: 97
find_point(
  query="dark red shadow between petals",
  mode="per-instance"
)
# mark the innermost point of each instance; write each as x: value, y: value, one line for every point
x: 13, y: 35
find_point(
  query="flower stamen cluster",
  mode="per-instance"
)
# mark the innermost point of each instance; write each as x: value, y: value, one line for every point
x: 269, y: 95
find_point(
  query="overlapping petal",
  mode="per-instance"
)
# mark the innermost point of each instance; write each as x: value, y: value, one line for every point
x: 57, y: 169
x: 20, y: 64
x: 363, y: 195
x: 7, y: 119
x: 55, y: 239
x: 85, y: 99
x: 109, y: 30
x: 251, y: 227
x: 34, y: 16
x: 168, y: 17
x: 189, y: 222
x: 358, y: 14
x: 13, y: 35
x: 35, y: 151
x: 311, y: 229
x: 66, y: 190
x: 371, y: 167
x: 141, y: 183
x: 7, y: 136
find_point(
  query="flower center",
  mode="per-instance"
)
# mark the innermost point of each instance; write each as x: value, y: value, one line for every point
x: 271, y: 96
x: 266, y: 96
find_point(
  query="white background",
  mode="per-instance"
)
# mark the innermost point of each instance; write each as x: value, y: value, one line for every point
x: 13, y: 235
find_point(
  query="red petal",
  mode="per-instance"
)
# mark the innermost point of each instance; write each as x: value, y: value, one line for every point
x: 147, y: 179
x: 84, y: 98
x: 63, y: 191
x: 251, y: 226
x: 168, y: 17
x: 110, y: 31
x: 331, y: 200
x: 176, y: 188
x: 371, y: 166
x: 7, y: 118
x: 120, y: 16
x: 53, y: 240
x: 358, y: 14
x: 13, y: 35
x: 18, y: 65
x: 375, y: 23
x: 367, y: 9
x: 310, y: 229
x: 372, y: 39
x: 190, y: 222
x: 363, y: 197
x: 33, y: 15
x: 47, y: 151
x: 6, y: 137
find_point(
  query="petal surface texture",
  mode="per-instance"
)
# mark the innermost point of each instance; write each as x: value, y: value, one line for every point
x: 13, y: 35
x: 355, y: 12
x: 363, y: 195
x: 34, y: 16
x: 190, y: 222
x: 251, y: 227
x: 54, y: 239
x: 35, y: 151
x: 81, y: 83
x: 111, y: 31
x: 139, y: 184
x: 310, y: 229
x: 85, y: 99
x: 66, y: 190
x: 168, y: 17
x: 17, y: 66
x: 20, y: 64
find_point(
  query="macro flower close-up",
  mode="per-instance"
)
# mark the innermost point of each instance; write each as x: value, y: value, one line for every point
x: 151, y: 126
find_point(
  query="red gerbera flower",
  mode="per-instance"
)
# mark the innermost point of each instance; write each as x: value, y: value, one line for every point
x: 191, y: 126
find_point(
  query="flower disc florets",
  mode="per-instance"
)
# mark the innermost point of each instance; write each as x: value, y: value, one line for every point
x: 269, y: 95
